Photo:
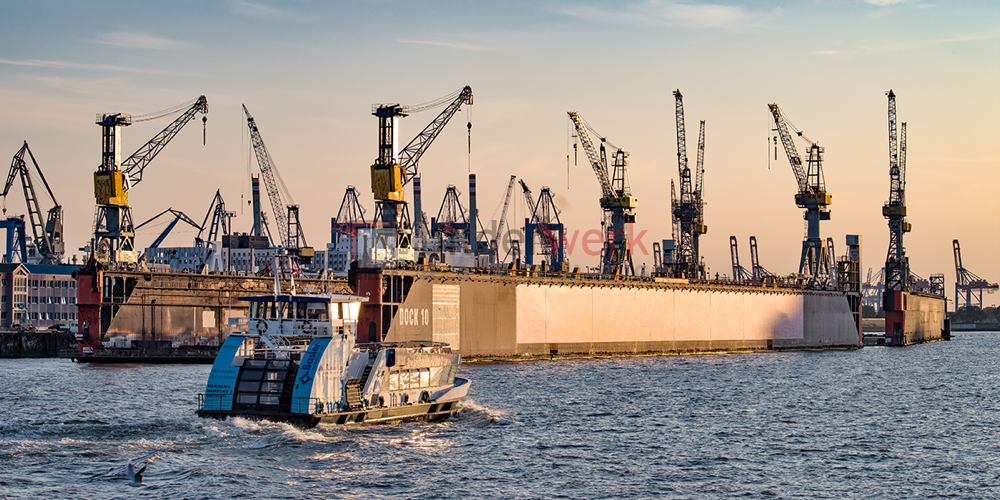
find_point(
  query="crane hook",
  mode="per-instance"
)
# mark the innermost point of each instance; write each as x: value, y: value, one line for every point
x: 204, y: 127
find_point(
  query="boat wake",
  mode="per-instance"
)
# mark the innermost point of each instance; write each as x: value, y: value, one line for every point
x: 475, y: 415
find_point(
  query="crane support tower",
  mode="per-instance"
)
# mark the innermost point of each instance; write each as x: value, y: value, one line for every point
x: 286, y: 215
x: 968, y: 287
x: 114, y: 233
x: 48, y: 234
x: 395, y: 168
x: 814, y: 265
x: 617, y: 201
x: 544, y: 222
x: 897, y: 266
x: 740, y: 273
x: 688, y: 209
x: 759, y: 273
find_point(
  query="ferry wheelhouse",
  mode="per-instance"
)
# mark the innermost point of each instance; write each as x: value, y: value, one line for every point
x: 294, y: 359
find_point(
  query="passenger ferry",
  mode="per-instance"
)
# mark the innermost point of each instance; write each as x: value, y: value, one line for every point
x: 295, y: 359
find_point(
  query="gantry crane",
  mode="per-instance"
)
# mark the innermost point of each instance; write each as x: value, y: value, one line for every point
x: 219, y: 224
x: 617, y: 201
x: 394, y: 169
x: 502, y: 225
x: 114, y: 233
x: 897, y: 265
x: 286, y: 215
x: 968, y: 287
x: 814, y: 264
x: 688, y: 210
x: 451, y: 220
x: 48, y: 235
x: 544, y: 221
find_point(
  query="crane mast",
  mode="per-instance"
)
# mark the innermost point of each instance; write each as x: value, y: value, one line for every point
x: 617, y: 201
x: 48, y: 235
x: 897, y: 266
x: 286, y: 215
x: 394, y: 169
x: 814, y: 264
x: 687, y: 211
x: 114, y: 233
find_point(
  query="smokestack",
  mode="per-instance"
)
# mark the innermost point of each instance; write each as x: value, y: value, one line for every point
x: 417, y: 214
x: 256, y: 230
x: 473, y: 217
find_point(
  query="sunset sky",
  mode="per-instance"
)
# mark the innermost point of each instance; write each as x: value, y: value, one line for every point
x: 309, y: 73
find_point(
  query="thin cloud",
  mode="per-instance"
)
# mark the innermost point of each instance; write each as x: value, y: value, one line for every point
x: 138, y: 40
x: 450, y: 45
x: 668, y: 13
x: 885, y: 3
x: 38, y: 63
x: 264, y: 12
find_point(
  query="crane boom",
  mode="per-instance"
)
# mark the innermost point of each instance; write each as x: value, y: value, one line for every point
x: 793, y: 154
x: 269, y: 173
x: 410, y: 155
x: 527, y: 195
x: 48, y: 234
x: 503, y: 213
x: 134, y: 165
x: 597, y: 158
x: 178, y: 216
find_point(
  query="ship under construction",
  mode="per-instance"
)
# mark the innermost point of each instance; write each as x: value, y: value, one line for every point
x: 449, y: 281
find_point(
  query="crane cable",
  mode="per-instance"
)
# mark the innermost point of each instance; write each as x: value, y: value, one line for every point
x: 165, y: 112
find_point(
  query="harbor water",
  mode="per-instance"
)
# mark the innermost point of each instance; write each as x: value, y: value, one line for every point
x: 914, y: 422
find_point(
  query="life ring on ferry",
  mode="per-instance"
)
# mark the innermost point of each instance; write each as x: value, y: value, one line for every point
x: 261, y: 326
x: 306, y: 327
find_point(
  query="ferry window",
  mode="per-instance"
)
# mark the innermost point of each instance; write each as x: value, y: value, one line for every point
x: 276, y: 364
x: 253, y: 310
x: 281, y: 306
x: 256, y: 363
x: 317, y: 311
x: 251, y: 375
x: 425, y: 377
x: 300, y: 310
x: 248, y: 399
x: 404, y: 379
x: 450, y: 375
x: 393, y: 381
x: 249, y: 386
x: 271, y: 387
x: 436, y: 373
x: 273, y: 376
x: 269, y: 400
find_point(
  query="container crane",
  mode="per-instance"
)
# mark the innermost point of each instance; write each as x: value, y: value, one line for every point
x: 286, y: 214
x: 688, y: 213
x: 897, y: 265
x: 968, y: 287
x: 814, y: 264
x: 48, y: 235
x: 617, y: 201
x: 545, y: 222
x: 394, y: 169
x: 114, y: 234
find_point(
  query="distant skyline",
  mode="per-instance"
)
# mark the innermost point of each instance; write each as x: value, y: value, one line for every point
x: 310, y: 71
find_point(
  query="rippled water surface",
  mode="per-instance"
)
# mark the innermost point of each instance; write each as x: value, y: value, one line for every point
x: 917, y: 422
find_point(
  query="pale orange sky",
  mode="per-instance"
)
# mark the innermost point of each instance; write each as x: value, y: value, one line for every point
x: 309, y: 74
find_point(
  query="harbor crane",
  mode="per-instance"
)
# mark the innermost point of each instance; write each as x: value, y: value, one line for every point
x: 897, y: 265
x: 48, y: 234
x: 178, y: 217
x: 740, y: 273
x: 350, y: 221
x: 502, y: 225
x: 114, y: 233
x: 968, y: 287
x: 219, y: 224
x: 688, y: 209
x: 286, y: 215
x: 617, y: 201
x: 759, y: 273
x: 395, y: 168
x: 815, y: 266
